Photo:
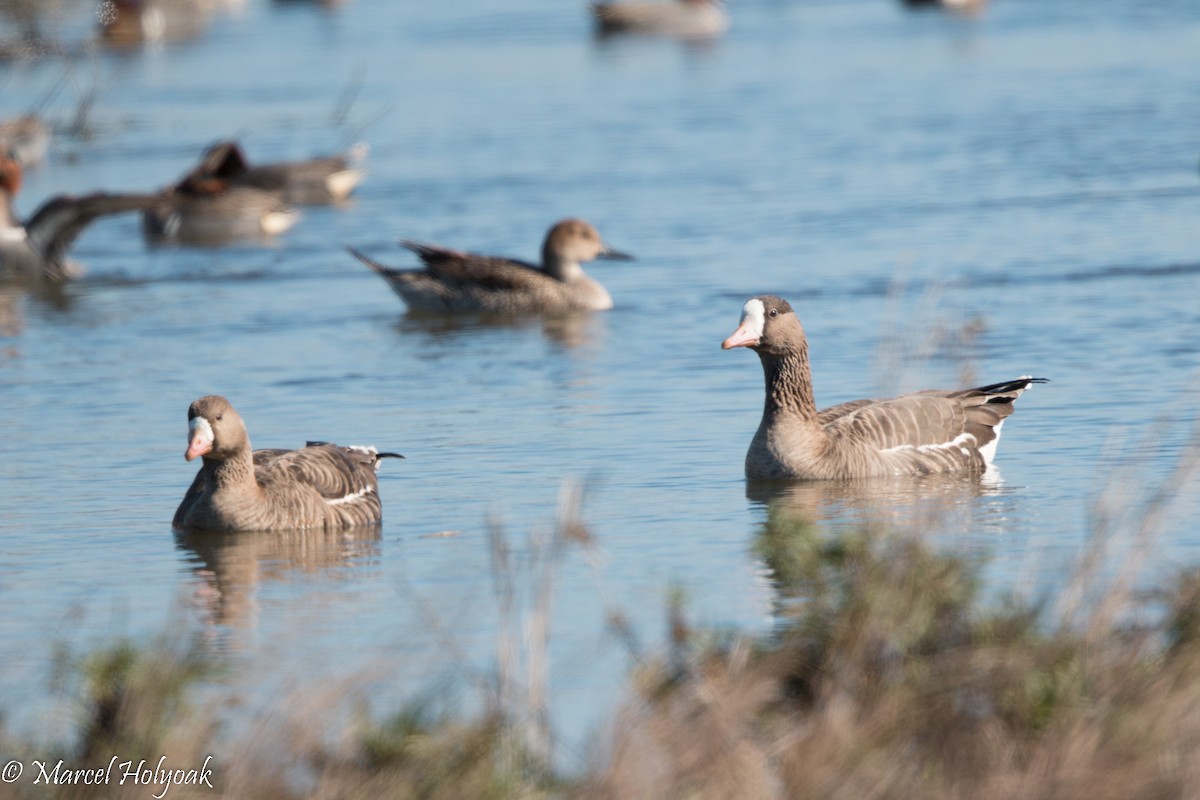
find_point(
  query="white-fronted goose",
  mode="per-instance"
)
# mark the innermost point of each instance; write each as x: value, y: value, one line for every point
x: 36, y: 251
x: 684, y: 19
x: 238, y: 489
x: 457, y: 281
x: 315, y: 181
x: 926, y: 432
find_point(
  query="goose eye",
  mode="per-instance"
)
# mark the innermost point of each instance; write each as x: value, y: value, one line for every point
x: 772, y: 313
x: 218, y: 416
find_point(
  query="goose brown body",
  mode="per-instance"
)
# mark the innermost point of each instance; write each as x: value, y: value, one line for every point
x: 934, y: 431
x: 240, y: 489
x: 457, y: 281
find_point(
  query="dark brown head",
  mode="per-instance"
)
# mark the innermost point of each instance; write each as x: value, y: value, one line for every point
x: 215, y: 430
x: 10, y: 175
x: 769, y: 325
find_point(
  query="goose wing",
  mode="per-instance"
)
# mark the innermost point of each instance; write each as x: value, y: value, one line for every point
x: 338, y: 474
x: 927, y: 419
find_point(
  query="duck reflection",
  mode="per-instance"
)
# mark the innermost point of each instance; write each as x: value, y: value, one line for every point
x: 577, y: 329
x: 229, y: 567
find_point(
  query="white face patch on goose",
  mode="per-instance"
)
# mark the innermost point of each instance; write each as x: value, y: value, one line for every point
x: 198, y: 426
x: 754, y: 316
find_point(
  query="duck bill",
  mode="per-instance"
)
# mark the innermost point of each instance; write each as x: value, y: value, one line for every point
x: 200, y: 438
x: 745, y: 336
x: 614, y: 255
x: 197, y: 447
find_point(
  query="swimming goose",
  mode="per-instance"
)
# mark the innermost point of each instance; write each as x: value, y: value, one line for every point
x: 457, y: 281
x: 316, y: 181
x: 926, y: 432
x: 238, y: 489
x: 36, y: 251
x: 685, y: 19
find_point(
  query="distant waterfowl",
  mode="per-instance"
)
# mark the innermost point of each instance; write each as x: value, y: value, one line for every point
x: 238, y: 489
x: 916, y: 434
x: 126, y: 23
x: 26, y: 139
x: 314, y: 181
x: 204, y: 210
x: 458, y: 281
x: 36, y: 251
x: 684, y: 19
x: 959, y: 6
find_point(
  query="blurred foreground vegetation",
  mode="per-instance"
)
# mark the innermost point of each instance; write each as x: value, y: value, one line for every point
x: 889, y: 675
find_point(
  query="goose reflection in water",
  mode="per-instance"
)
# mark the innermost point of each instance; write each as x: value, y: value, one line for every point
x: 229, y: 568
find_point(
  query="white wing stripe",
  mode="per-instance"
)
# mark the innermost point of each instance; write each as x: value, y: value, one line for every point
x: 350, y: 498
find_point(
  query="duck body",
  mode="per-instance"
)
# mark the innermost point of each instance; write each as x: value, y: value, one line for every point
x: 36, y: 251
x: 454, y: 281
x: 213, y: 212
x: 314, y: 181
x: 685, y: 19
x: 239, y: 489
x: 929, y: 432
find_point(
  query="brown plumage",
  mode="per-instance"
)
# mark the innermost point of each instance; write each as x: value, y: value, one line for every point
x: 314, y: 181
x: 456, y: 281
x: 933, y: 431
x: 239, y: 489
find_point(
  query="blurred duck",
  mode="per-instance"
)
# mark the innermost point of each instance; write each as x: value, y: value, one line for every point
x: 208, y: 211
x: 26, y: 139
x: 684, y: 19
x: 126, y: 23
x: 958, y: 6
x: 317, y: 181
x: 36, y: 251
x: 239, y: 489
x: 458, y: 281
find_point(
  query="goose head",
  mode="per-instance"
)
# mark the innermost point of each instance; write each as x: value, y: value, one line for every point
x: 768, y: 326
x: 215, y: 430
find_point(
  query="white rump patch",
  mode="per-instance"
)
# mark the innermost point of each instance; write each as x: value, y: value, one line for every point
x: 13, y: 234
x: 350, y: 498
x: 276, y: 222
x: 988, y: 451
x: 755, y: 313
x: 341, y: 184
x: 200, y: 425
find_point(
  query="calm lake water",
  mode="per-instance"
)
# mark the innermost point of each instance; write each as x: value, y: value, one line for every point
x: 943, y: 199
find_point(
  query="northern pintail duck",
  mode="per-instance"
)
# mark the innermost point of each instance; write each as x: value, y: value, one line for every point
x: 685, y: 19
x: 238, y: 489
x: 315, y: 181
x: 458, y: 281
x: 926, y: 432
x: 26, y: 139
x: 37, y: 250
x: 205, y: 210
